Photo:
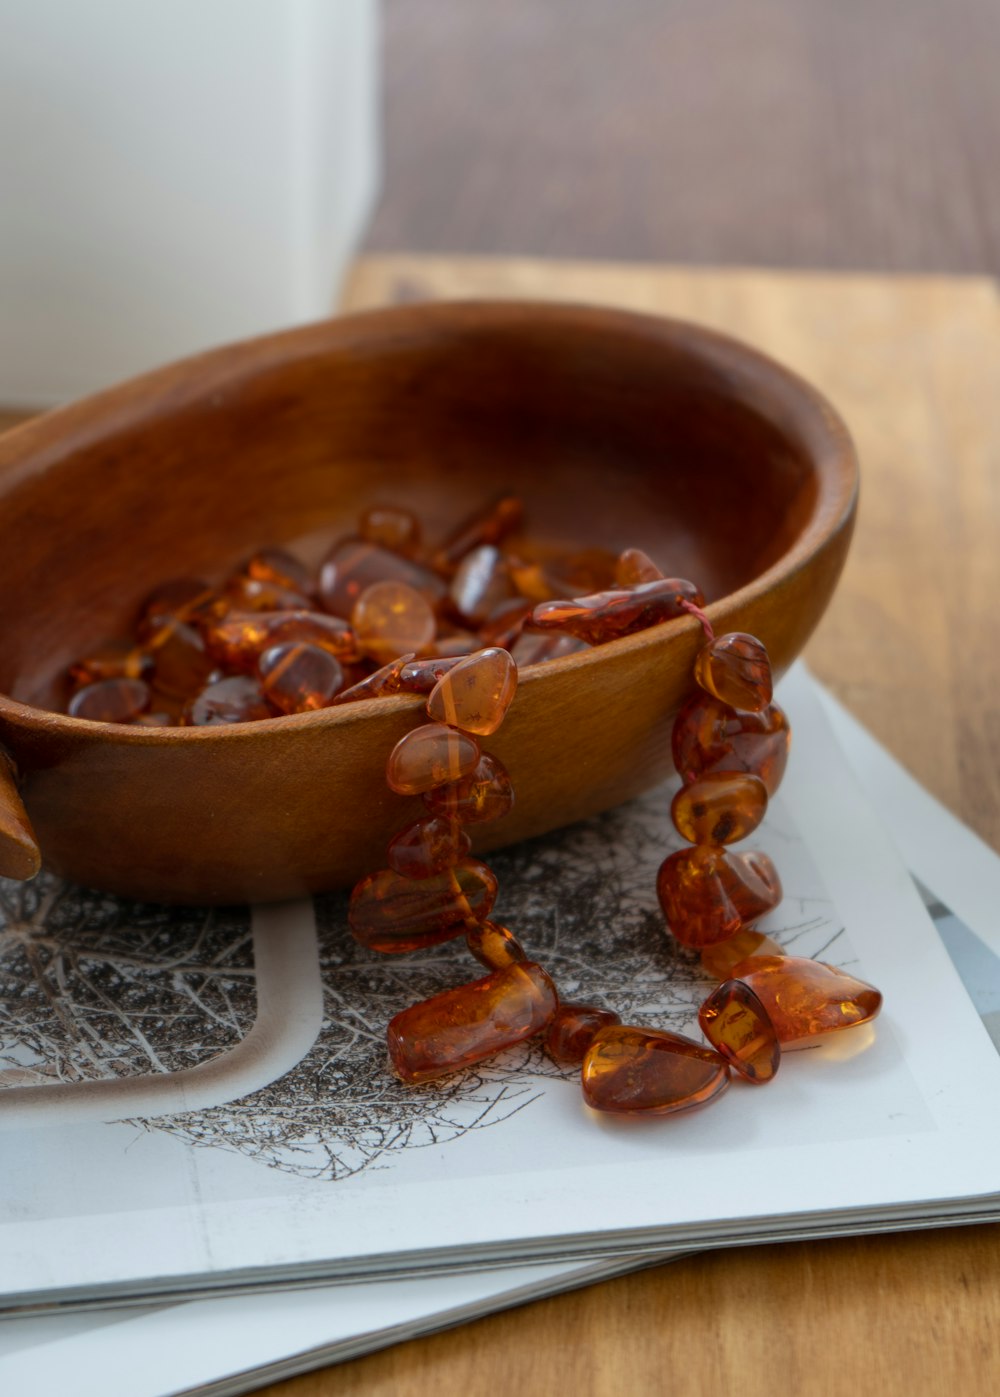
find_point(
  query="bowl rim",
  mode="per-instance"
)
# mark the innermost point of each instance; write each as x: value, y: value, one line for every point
x: 34, y: 446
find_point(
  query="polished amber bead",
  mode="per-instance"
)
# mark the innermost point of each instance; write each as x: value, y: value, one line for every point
x: 427, y: 846
x: 392, y: 528
x: 430, y: 756
x: 391, y: 619
x: 110, y: 700
x: 709, y: 894
x: 807, y: 1000
x: 299, y: 678
x: 421, y: 676
x: 466, y: 1025
x: 737, y: 1025
x: 279, y: 566
x: 182, y: 664
x: 634, y: 567
x: 505, y: 623
x: 117, y: 659
x: 720, y: 808
x: 390, y: 913
x: 253, y: 594
x: 485, y: 526
x: 181, y: 599
x: 353, y: 565
x: 573, y: 1029
x: 487, y: 793
x: 494, y: 946
x: 531, y: 649
x: 735, y: 669
x: 238, y: 699
x: 480, y: 584
x: 384, y: 681
x: 476, y: 694
x: 239, y: 641
x: 650, y: 1071
x: 609, y: 615
x: 712, y: 736
x: 718, y: 960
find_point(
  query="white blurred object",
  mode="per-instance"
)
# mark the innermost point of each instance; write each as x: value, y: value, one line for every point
x: 174, y: 174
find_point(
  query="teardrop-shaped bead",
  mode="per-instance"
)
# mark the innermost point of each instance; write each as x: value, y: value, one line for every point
x: 391, y: 619
x: 476, y: 694
x: 299, y: 678
x: 110, y: 700
x: 634, y: 567
x: 352, y: 565
x: 737, y: 1025
x: 494, y: 946
x: 718, y: 960
x: 720, y: 808
x: 427, y: 846
x: 808, y: 1000
x: 709, y: 894
x: 735, y: 669
x: 238, y: 699
x: 574, y: 1028
x: 609, y: 615
x: 712, y: 736
x: 487, y: 793
x: 393, y: 914
x: 433, y: 755
x: 650, y: 1071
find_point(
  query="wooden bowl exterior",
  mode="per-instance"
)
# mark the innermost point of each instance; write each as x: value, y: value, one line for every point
x: 618, y: 430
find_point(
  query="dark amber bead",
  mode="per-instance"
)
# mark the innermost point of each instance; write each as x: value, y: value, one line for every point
x: 390, y: 913
x: 392, y: 528
x: 110, y: 700
x: 807, y: 1000
x: 391, y: 619
x: 735, y: 669
x: 427, y: 846
x: 650, y: 1071
x: 384, y: 681
x: 588, y: 570
x: 494, y: 946
x: 505, y: 623
x: 720, y: 808
x: 253, y: 594
x: 610, y: 615
x: 487, y: 525
x: 430, y: 756
x: 737, y: 1025
x: 709, y: 894
x: 487, y: 793
x: 466, y: 1025
x: 239, y: 641
x: 299, y: 678
x: 573, y: 1029
x: 181, y: 599
x: 352, y: 565
x: 718, y: 960
x: 634, y: 567
x: 531, y: 649
x: 480, y: 584
x: 117, y: 659
x: 280, y: 567
x: 476, y: 694
x: 712, y: 736
x: 238, y: 699
x: 182, y: 665
x: 421, y: 676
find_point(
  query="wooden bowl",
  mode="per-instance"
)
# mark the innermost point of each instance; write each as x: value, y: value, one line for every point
x: 617, y: 429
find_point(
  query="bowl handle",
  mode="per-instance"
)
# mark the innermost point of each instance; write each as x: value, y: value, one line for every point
x: 20, y: 856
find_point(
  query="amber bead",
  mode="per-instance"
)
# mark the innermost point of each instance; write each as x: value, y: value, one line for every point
x: 238, y: 699
x: 718, y: 960
x: 708, y: 894
x: 634, y: 567
x: 384, y: 681
x: 239, y: 641
x: 712, y: 736
x: 650, y: 1071
x: 574, y: 1027
x: 180, y: 599
x: 352, y: 565
x: 390, y: 619
x: 453, y: 647
x: 735, y: 669
x: 392, y: 528
x: 279, y: 566
x: 110, y: 700
x: 182, y: 664
x: 480, y: 584
x: 534, y: 582
x: 427, y: 846
x: 421, y: 676
x: 737, y: 1025
x: 476, y: 694
x: 505, y: 623
x: 720, y: 808
x: 610, y: 615
x: 393, y: 914
x: 254, y: 594
x: 488, y: 525
x: 430, y: 756
x: 487, y: 793
x: 299, y: 678
x: 807, y: 1000
x: 531, y: 649
x: 494, y: 946
x: 117, y: 659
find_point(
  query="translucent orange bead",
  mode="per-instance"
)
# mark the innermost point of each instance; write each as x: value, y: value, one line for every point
x: 254, y: 594
x: 650, y: 1071
x: 476, y: 693
x: 807, y: 1000
x: 393, y: 914
x: 182, y: 664
x: 487, y: 525
x: 709, y: 894
x: 721, y: 808
x: 712, y: 736
x: 420, y: 676
x: 718, y: 960
x: 177, y: 600
x: 427, y: 846
x: 239, y: 641
x: 352, y: 565
x: 110, y: 700
x: 238, y: 699
x: 634, y: 567
x: 466, y: 1025
x: 609, y: 615
x: 494, y: 946
x: 480, y: 584
x: 299, y: 678
x: 384, y: 681
x: 505, y: 623
x: 735, y: 669
x: 391, y: 619
x: 430, y: 756
x: 737, y: 1025
x: 538, y: 649
x: 116, y: 659
x: 574, y: 1027
x: 281, y: 567
x: 487, y: 793
x: 392, y: 528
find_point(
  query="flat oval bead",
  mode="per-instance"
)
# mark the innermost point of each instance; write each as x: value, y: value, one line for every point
x: 737, y: 1025
x: 709, y: 894
x: 735, y: 669
x: 281, y: 567
x: 487, y: 793
x: 466, y: 1025
x: 634, y: 567
x: 393, y: 914
x: 182, y: 664
x: 391, y: 619
x: 718, y: 960
x: 428, y: 846
x: 610, y: 615
x: 239, y: 641
x: 574, y: 1028
x: 720, y: 808
x: 494, y: 946
x: 480, y: 584
x: 488, y: 525
x: 476, y: 693
x: 808, y: 1001
x: 713, y: 736
x: 650, y: 1071
x: 392, y: 528
x: 299, y: 678
x: 383, y: 682
x: 352, y: 565
x: 110, y: 700
x: 238, y: 699
x: 116, y: 659
x: 430, y: 756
